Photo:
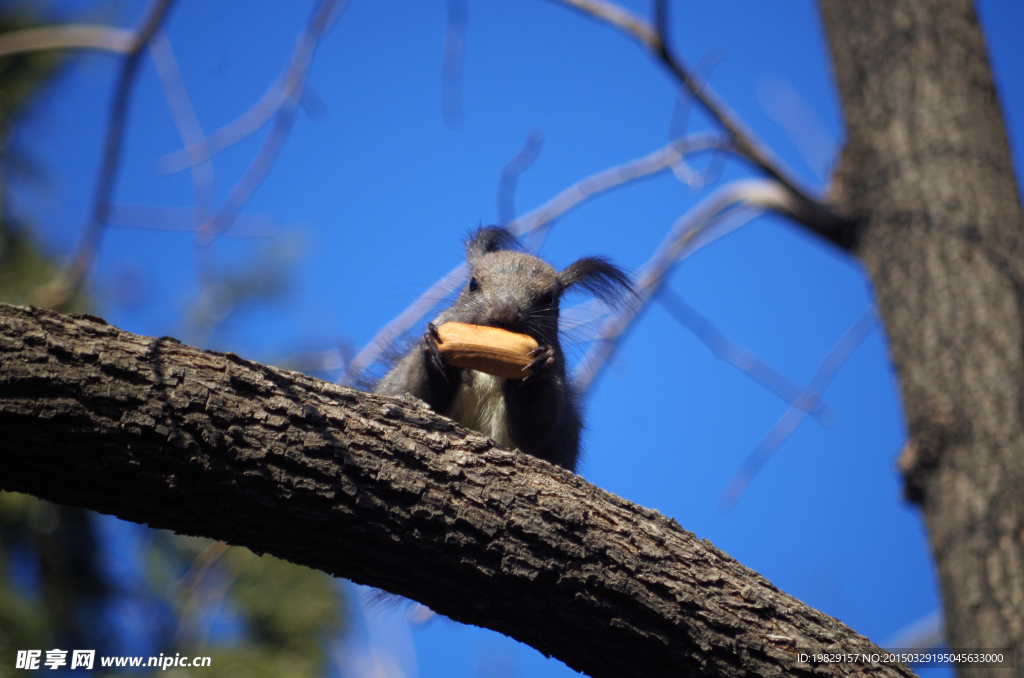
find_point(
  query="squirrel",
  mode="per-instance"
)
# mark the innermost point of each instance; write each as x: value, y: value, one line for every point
x: 540, y: 413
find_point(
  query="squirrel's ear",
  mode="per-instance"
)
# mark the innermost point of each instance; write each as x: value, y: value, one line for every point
x: 489, y: 239
x: 600, y: 277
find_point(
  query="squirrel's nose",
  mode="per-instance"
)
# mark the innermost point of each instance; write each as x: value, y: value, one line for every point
x: 506, y: 314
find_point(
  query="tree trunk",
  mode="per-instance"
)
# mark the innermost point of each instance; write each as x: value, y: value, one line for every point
x: 387, y: 493
x: 927, y: 178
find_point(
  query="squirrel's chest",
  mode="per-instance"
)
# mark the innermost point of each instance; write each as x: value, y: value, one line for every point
x: 479, y: 404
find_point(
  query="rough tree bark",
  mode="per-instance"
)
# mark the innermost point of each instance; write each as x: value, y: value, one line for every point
x: 385, y: 492
x: 927, y: 178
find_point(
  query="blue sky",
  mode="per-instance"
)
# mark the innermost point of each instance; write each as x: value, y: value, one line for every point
x: 372, y: 193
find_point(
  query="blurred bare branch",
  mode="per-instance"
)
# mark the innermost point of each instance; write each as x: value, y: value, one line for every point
x: 254, y: 175
x: 314, y: 361
x: 926, y: 634
x: 742, y: 358
x: 266, y: 276
x: 184, y: 219
x: 720, y: 213
x: 201, y: 565
x: 530, y: 222
x: 791, y: 111
x: 452, y: 63
x: 793, y: 417
x: 285, y: 93
x: 388, y: 335
x: 191, y: 133
x: 510, y: 175
x: 614, y: 177
x: 187, y: 122
x: 196, y: 595
x: 302, y: 58
x: 73, y: 36
x: 70, y: 280
x: 699, y: 179
x: 238, y: 129
x: 679, y: 122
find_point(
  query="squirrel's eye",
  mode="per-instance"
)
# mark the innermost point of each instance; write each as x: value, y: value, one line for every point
x: 547, y: 300
x: 473, y: 285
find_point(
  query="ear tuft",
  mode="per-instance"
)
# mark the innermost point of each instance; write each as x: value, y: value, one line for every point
x: 489, y: 239
x: 599, y: 276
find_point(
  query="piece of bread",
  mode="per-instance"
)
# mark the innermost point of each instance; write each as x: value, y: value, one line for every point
x: 487, y: 349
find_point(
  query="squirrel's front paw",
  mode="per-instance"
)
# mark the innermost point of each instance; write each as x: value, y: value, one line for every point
x: 543, y: 359
x: 430, y: 351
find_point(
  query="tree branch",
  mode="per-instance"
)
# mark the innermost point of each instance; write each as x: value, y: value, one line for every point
x: 704, y: 223
x: 385, y: 492
x: 812, y: 213
x: 75, y: 36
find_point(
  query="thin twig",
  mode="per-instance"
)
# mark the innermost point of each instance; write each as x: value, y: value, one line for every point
x: 187, y: 122
x: 620, y: 18
x: 662, y: 159
x: 742, y: 358
x: 794, y: 114
x: 700, y: 179
x: 530, y: 222
x: 679, y: 123
x: 452, y: 63
x: 185, y: 219
x: 708, y: 221
x: 789, y: 421
x: 400, y: 324
x: 230, y: 134
x: 260, y: 166
x: 314, y: 361
x: 284, y: 91
x: 70, y: 280
x: 680, y: 120
x: 201, y: 565
x: 813, y: 214
x: 251, y: 179
x: 510, y: 175
x: 74, y: 36
x: 196, y: 598
x: 924, y: 634
x: 191, y: 132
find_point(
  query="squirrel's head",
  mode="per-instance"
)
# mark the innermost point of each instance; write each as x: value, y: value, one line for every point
x: 517, y: 291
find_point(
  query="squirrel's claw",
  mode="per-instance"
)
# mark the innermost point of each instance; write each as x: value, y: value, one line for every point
x: 540, y: 366
x: 431, y: 352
